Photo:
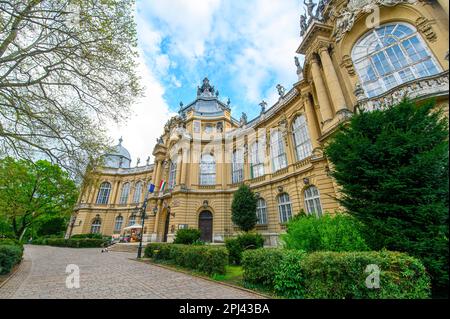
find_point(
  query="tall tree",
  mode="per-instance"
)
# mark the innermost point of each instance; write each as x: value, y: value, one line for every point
x: 392, y: 166
x: 29, y: 191
x: 66, y: 67
x: 243, y: 208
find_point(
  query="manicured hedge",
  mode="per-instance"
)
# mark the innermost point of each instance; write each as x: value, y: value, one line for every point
x: 187, y: 236
x: 236, y: 246
x: 91, y: 236
x: 205, y: 259
x: 260, y: 265
x: 10, y: 255
x: 333, y: 275
x: 71, y: 242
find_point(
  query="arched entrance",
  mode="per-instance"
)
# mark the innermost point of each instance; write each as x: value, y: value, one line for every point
x: 205, y: 225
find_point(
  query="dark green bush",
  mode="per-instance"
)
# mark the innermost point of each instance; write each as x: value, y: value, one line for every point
x: 75, y: 242
x: 260, y: 265
x: 332, y: 275
x: 10, y: 255
x: 327, y: 233
x: 91, y: 236
x: 289, y: 281
x: 187, y: 236
x: 10, y: 241
x: 236, y: 246
x: 205, y: 259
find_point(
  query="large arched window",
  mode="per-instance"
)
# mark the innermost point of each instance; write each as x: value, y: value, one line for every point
x: 284, y: 208
x: 172, y: 173
x: 238, y: 166
x: 277, y: 152
x: 312, y: 201
x: 103, y: 193
x: 137, y: 192
x: 207, y: 170
x: 390, y: 55
x: 303, y: 146
x: 132, y: 220
x: 124, y: 194
x: 256, y: 160
x: 261, y: 211
x: 118, y: 224
x: 96, y: 225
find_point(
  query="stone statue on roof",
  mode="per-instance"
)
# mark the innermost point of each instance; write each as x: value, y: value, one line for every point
x: 263, y: 105
x: 309, y: 8
x: 299, y: 69
x: 281, y: 90
x: 303, y: 24
x: 243, y: 120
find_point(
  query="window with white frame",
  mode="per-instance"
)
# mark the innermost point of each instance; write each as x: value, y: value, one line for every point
x: 103, y: 193
x: 261, y: 211
x: 137, y: 192
x: 284, y: 208
x: 118, y: 224
x: 207, y: 170
x: 312, y: 201
x: 256, y: 160
x: 132, y: 220
x: 238, y: 165
x: 390, y: 55
x: 172, y: 173
x: 96, y: 225
x: 303, y: 146
x: 124, y: 194
x: 278, y: 154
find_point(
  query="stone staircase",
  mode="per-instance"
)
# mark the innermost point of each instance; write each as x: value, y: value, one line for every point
x: 126, y: 247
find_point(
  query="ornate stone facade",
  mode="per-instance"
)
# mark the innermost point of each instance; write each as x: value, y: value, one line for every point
x: 205, y: 153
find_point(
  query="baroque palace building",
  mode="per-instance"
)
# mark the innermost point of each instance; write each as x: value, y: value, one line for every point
x: 358, y: 55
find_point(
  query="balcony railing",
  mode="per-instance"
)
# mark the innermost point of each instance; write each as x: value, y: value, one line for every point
x: 431, y: 86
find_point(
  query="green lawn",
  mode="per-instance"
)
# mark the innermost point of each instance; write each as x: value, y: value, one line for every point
x: 233, y: 275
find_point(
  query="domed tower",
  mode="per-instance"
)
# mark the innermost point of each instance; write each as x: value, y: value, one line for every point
x: 119, y: 157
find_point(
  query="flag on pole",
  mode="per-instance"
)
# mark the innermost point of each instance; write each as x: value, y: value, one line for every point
x: 162, y: 185
x: 151, y: 188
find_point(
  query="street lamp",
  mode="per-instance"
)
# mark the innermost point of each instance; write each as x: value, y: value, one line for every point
x: 143, y: 209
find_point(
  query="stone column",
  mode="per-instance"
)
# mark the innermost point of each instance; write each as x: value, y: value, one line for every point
x: 332, y: 80
x: 178, y: 177
x: 310, y: 116
x: 155, y: 169
x: 322, y: 95
x: 184, y: 167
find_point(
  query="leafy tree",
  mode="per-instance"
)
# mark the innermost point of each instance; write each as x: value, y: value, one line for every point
x: 66, y: 67
x: 51, y: 225
x: 31, y: 191
x: 392, y: 166
x: 243, y: 208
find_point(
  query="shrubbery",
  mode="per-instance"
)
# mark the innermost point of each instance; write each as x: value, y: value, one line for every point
x: 10, y: 255
x: 91, y: 236
x: 236, y: 246
x: 209, y: 260
x: 187, y: 236
x: 71, y: 242
x: 333, y: 275
x: 327, y: 233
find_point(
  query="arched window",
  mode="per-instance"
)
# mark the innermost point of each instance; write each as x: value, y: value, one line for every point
x: 312, y: 201
x: 238, y: 166
x: 124, y: 194
x: 207, y: 170
x: 103, y: 193
x: 132, y: 220
x: 261, y: 211
x: 137, y: 192
x: 284, y: 208
x: 303, y: 146
x: 118, y: 224
x: 96, y: 225
x: 278, y: 155
x: 390, y: 55
x: 172, y: 173
x: 256, y: 160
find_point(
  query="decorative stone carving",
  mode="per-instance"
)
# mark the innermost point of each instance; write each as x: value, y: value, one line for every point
x: 206, y: 89
x: 303, y: 24
x: 425, y: 27
x: 347, y: 16
x: 263, y: 105
x: 281, y: 90
x: 309, y: 8
x: 359, y: 92
x: 243, y: 120
x: 347, y: 62
x: 299, y: 69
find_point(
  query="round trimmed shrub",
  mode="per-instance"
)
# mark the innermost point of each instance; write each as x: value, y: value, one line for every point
x: 187, y: 236
x: 236, y: 246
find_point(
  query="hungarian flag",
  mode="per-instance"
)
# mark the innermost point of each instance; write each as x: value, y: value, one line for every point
x: 162, y: 185
x: 151, y: 188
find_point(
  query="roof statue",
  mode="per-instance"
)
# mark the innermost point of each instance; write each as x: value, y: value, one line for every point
x: 281, y: 90
x: 263, y: 105
x: 310, y: 7
x: 243, y: 120
x: 303, y: 24
x: 147, y: 162
x: 299, y: 69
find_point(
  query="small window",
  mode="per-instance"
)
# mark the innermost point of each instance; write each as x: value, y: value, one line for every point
x: 238, y: 166
x: 312, y: 201
x: 303, y: 147
x: 96, y: 225
x: 137, y: 192
x: 284, y: 208
x: 172, y: 174
x: 118, y: 224
x: 261, y: 211
x: 207, y: 170
x: 103, y: 193
x: 256, y: 160
x: 277, y: 151
x: 132, y: 220
x: 125, y: 193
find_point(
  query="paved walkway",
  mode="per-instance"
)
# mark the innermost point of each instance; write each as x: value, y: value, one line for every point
x: 42, y: 274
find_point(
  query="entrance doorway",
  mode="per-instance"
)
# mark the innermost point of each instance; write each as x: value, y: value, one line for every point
x: 205, y: 225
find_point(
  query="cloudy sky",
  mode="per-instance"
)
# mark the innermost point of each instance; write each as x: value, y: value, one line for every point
x: 245, y: 48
